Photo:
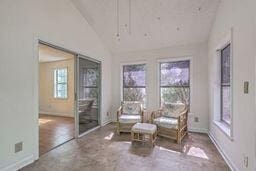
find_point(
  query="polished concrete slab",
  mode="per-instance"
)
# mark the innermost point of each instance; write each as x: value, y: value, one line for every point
x: 104, y: 150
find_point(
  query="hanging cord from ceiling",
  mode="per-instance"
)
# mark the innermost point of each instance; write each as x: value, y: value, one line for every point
x: 130, y: 17
x: 117, y: 19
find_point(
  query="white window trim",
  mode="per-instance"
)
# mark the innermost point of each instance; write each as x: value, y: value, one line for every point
x: 54, y: 84
x: 175, y: 59
x: 226, y: 129
x: 121, y: 78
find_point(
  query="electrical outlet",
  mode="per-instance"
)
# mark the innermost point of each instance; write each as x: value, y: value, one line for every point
x: 107, y: 113
x: 18, y: 147
x: 196, y: 119
x: 246, y: 87
x: 246, y: 160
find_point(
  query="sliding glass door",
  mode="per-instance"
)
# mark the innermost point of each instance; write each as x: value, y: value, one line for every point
x: 88, y: 94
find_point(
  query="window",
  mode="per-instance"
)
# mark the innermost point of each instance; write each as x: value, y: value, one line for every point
x: 61, y: 83
x: 175, y: 82
x: 225, y: 85
x: 134, y: 83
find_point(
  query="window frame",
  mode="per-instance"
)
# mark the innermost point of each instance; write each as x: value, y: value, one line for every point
x: 222, y: 85
x: 122, y: 80
x: 169, y: 60
x: 56, y: 83
x: 228, y: 131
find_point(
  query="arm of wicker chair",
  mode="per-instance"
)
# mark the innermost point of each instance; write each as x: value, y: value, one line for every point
x: 155, y: 114
x: 118, y: 113
x: 182, y: 119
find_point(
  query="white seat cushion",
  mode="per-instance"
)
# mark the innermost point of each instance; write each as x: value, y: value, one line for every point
x: 144, y: 128
x: 129, y: 118
x: 166, y: 122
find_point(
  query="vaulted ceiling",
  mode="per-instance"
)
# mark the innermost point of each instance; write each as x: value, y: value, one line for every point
x: 130, y: 25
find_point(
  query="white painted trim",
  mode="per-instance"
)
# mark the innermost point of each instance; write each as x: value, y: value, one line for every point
x: 106, y: 123
x: 87, y: 132
x: 55, y: 83
x: 223, y: 153
x: 228, y: 39
x: 57, y: 114
x: 141, y: 62
x: 198, y: 130
x: 19, y: 164
x: 226, y: 130
x: 173, y: 59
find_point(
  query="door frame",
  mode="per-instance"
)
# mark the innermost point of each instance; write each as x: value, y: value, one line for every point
x: 77, y: 135
x: 37, y: 41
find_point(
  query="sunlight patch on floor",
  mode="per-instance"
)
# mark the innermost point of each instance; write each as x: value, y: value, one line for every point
x: 110, y: 136
x: 168, y: 150
x: 44, y: 121
x: 197, y: 152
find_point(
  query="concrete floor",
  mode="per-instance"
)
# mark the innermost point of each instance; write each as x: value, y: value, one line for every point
x: 103, y: 150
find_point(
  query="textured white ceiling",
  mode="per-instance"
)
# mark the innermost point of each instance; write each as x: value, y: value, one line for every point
x: 49, y: 54
x: 154, y: 23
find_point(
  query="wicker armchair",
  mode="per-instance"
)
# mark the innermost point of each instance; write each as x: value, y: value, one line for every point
x: 128, y: 114
x: 171, y: 121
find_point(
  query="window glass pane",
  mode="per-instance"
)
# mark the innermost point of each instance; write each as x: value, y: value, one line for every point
x: 225, y: 67
x: 226, y: 106
x: 134, y: 94
x: 134, y: 75
x: 89, y: 77
x: 60, y: 77
x: 175, y: 95
x: 175, y: 73
x: 60, y: 87
x: 89, y: 93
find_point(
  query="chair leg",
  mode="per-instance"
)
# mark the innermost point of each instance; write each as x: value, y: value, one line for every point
x: 118, y: 129
x: 132, y: 135
x: 179, y: 138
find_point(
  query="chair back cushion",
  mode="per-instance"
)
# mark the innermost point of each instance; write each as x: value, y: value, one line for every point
x: 173, y: 109
x: 131, y: 107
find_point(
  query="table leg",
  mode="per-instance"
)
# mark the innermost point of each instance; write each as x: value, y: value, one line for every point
x: 132, y: 135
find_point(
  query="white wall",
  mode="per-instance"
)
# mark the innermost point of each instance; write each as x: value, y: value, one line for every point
x: 236, y: 14
x: 48, y: 104
x: 199, y: 91
x: 21, y: 23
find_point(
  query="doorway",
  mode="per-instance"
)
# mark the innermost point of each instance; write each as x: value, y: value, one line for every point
x: 69, y: 96
x: 56, y: 97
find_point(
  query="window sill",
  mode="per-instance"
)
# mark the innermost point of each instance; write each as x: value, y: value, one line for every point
x: 60, y: 98
x: 224, y: 128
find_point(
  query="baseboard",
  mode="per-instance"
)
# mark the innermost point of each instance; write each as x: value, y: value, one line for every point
x: 198, y: 130
x: 106, y: 122
x: 56, y: 114
x: 223, y: 154
x: 20, y: 164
